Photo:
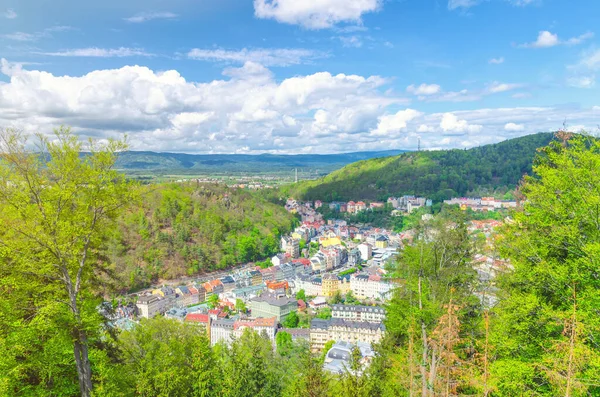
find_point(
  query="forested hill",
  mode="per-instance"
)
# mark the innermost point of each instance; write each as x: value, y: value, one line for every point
x: 235, y: 163
x: 183, y: 229
x: 436, y: 174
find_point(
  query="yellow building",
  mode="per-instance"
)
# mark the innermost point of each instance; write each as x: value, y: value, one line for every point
x: 330, y: 284
x: 381, y: 242
x: 330, y: 242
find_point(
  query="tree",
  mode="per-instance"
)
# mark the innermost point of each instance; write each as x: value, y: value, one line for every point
x: 301, y: 295
x: 546, y: 326
x: 324, y: 313
x: 311, y: 380
x: 56, y: 209
x: 291, y: 320
x: 213, y: 301
x: 284, y: 343
x: 240, y: 305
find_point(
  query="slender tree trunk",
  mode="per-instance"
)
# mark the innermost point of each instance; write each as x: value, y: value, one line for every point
x: 80, y: 341
x: 486, y: 390
x: 572, y: 345
x: 423, y: 366
x: 411, y: 361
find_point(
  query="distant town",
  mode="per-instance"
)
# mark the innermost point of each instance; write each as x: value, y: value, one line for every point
x: 327, y: 287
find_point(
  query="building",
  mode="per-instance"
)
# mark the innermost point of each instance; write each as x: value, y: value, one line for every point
x: 366, y: 251
x: 361, y: 206
x: 200, y: 319
x: 150, y: 305
x: 371, y: 314
x: 277, y: 287
x: 165, y: 291
x: 337, y: 359
x: 228, y: 283
x: 255, y: 277
x: 198, y: 289
x: 338, y: 329
x: 269, y: 305
x: 249, y: 292
x: 290, y: 246
x: 376, y: 204
x: 221, y: 331
x: 185, y: 296
x: 213, y: 287
x: 371, y: 287
x: 298, y: 334
x: 318, y: 204
x: 351, y: 207
x: 382, y: 242
x: 318, y: 261
x: 279, y: 259
x: 354, y: 257
x: 331, y: 284
x: 312, y: 286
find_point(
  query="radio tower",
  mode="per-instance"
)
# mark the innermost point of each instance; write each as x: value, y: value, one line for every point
x: 419, y: 145
x: 296, y: 179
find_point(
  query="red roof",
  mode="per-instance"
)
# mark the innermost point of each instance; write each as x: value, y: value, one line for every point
x: 197, y: 318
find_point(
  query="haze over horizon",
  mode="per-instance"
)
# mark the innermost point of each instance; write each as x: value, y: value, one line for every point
x: 282, y: 77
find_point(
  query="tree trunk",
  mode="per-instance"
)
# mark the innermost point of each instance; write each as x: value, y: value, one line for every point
x: 82, y: 362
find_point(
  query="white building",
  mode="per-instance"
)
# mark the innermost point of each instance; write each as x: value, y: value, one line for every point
x: 370, y: 314
x: 370, y: 287
x: 366, y: 251
x: 151, y: 305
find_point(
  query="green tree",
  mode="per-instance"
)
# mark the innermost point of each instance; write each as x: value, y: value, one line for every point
x: 324, y: 313
x: 301, y: 295
x: 291, y: 320
x: 240, y: 305
x: 310, y: 380
x: 56, y: 209
x: 546, y: 326
x: 284, y: 343
x: 213, y: 301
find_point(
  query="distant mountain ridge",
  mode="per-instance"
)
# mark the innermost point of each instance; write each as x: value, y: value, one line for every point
x: 323, y: 163
x: 438, y: 174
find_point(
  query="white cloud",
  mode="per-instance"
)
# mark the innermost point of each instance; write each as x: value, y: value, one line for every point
x: 99, y: 52
x: 496, y: 61
x: 313, y: 14
x: 394, y: 123
x: 514, y: 127
x: 264, y: 56
x: 451, y: 123
x: 351, y: 41
x: 497, y: 87
x: 425, y: 128
x: 23, y: 36
x: 9, y: 14
x: 582, y: 81
x: 424, y: 89
x: 148, y: 16
x: 547, y: 39
x: 250, y: 110
x: 163, y: 111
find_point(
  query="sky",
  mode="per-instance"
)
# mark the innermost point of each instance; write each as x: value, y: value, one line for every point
x: 300, y: 76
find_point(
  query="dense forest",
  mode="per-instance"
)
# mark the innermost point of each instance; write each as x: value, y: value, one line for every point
x: 437, y: 174
x: 186, y: 228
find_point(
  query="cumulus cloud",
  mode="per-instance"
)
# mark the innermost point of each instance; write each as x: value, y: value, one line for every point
x: 547, y: 39
x: 163, y: 111
x: 9, y: 14
x: 496, y: 61
x: 497, y: 87
x: 514, y: 127
x: 424, y: 89
x: 99, y: 52
x: 320, y: 14
x: 249, y: 110
x: 149, y: 16
x: 264, y: 56
x: 583, y: 73
x: 451, y: 123
x: 394, y: 123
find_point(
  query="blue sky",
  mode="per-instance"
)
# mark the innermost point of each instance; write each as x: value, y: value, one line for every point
x: 299, y: 76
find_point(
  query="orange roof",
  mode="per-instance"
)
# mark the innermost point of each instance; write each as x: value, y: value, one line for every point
x: 197, y: 318
x: 277, y: 284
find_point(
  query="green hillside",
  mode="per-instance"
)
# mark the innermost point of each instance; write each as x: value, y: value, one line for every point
x: 190, y: 228
x: 436, y: 174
